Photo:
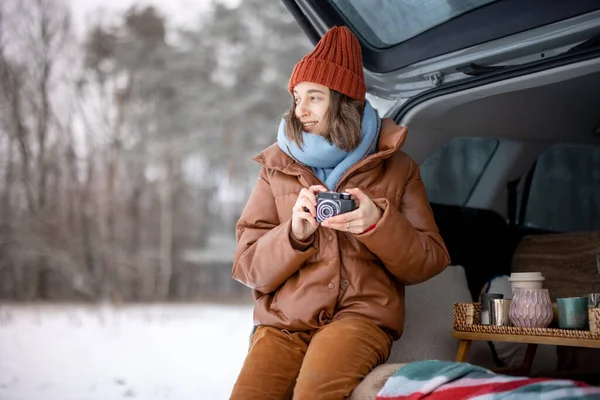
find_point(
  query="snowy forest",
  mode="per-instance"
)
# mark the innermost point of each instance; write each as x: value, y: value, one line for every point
x: 126, y: 157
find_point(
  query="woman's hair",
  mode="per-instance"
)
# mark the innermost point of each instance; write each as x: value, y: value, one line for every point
x: 342, y: 122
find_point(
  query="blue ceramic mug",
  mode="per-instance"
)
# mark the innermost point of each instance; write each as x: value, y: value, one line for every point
x: 572, y: 312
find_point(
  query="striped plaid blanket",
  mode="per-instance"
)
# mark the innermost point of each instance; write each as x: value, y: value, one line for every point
x: 443, y: 380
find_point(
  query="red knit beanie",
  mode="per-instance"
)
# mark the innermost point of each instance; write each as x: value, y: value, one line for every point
x: 335, y: 62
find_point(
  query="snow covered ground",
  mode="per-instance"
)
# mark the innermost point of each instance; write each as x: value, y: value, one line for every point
x: 82, y: 352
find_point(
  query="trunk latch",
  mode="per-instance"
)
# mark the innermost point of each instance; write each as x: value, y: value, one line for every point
x: 436, y: 79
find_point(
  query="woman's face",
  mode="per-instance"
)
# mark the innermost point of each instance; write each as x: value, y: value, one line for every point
x: 312, y: 103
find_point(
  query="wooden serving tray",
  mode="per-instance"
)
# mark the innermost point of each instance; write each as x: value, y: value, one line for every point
x: 467, y: 317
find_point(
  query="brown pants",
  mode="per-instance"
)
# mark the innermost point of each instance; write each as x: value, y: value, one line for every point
x: 325, y: 365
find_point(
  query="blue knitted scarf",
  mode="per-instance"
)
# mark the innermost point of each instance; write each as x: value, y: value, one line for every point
x: 328, y: 162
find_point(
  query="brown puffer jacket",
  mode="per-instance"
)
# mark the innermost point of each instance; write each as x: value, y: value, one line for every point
x: 338, y: 274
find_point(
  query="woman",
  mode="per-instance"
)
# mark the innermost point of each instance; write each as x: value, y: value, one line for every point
x: 329, y: 297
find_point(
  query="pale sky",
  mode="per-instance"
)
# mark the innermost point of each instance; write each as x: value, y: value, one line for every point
x: 180, y: 12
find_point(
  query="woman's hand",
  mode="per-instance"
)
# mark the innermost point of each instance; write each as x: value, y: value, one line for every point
x: 362, y: 218
x: 304, y: 214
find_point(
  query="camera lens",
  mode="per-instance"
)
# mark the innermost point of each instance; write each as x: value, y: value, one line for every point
x: 327, y: 209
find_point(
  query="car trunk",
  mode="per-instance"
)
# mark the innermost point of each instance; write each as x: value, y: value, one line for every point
x: 559, y: 104
x: 525, y: 115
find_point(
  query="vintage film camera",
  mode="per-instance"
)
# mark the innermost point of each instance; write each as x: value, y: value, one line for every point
x: 333, y: 203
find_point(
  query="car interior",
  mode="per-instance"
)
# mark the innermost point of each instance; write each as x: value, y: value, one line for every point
x: 529, y: 151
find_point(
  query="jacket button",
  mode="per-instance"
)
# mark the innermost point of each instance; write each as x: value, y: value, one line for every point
x: 329, y: 237
x: 331, y: 286
x: 345, y: 283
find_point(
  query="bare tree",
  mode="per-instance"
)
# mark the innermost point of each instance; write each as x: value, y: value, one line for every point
x: 50, y: 31
x: 33, y: 34
x: 11, y: 78
x: 120, y: 154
